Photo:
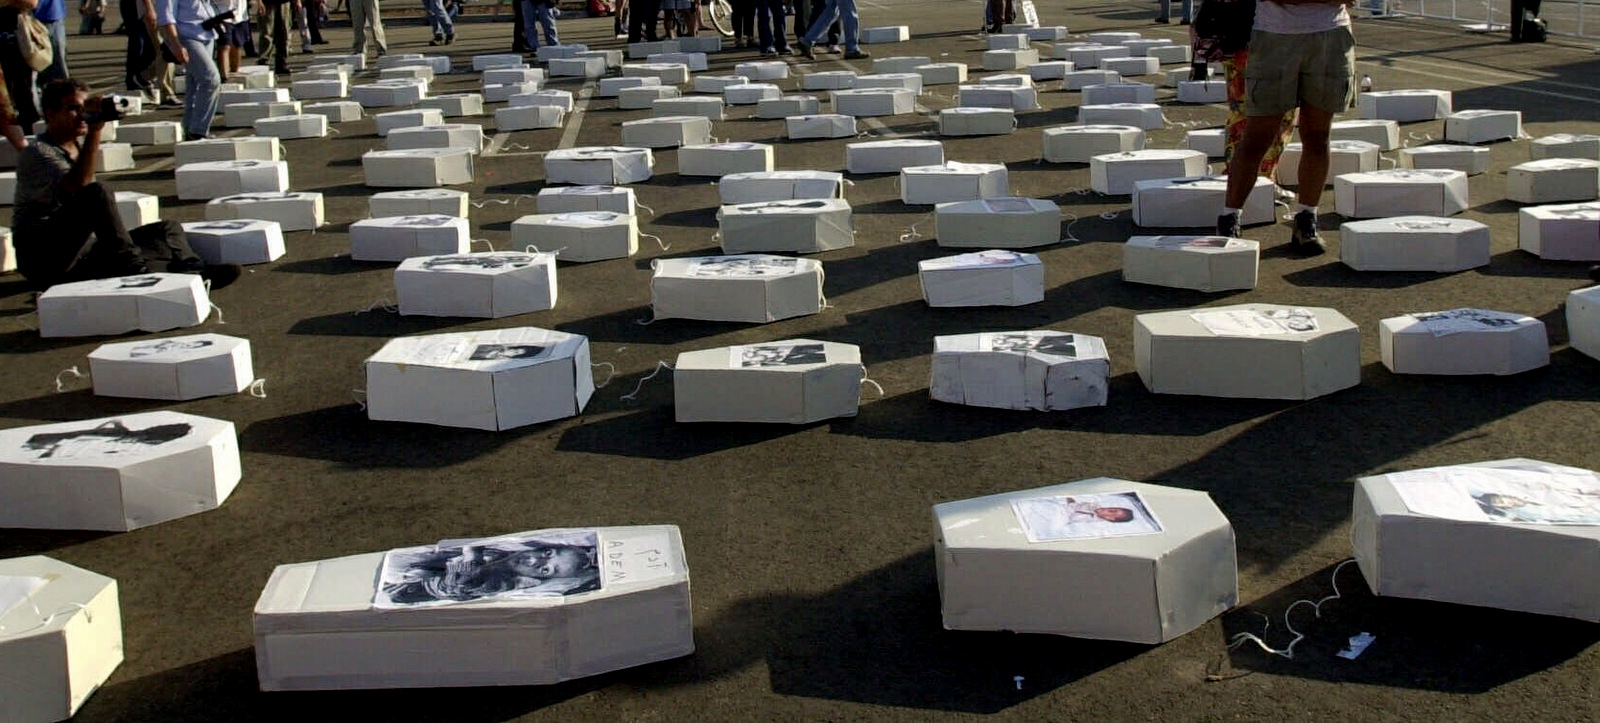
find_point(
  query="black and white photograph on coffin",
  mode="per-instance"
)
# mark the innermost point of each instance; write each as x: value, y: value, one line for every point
x: 765, y: 186
x: 1257, y: 322
x: 112, y: 438
x: 486, y: 285
x: 564, y: 199
x: 795, y: 226
x: 744, y: 266
x: 103, y: 307
x: 435, y: 379
x: 418, y: 201
x: 129, y: 282
x: 1064, y: 345
x: 177, y: 368
x: 1454, y: 321
x: 1085, y: 516
x: 485, y: 261
x: 1553, y: 496
x: 293, y: 211
x: 168, y: 347
x: 779, y: 355
x: 494, y: 352
x: 514, y: 567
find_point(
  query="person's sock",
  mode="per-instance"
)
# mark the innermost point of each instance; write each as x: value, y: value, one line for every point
x: 1298, y: 207
x: 1230, y: 211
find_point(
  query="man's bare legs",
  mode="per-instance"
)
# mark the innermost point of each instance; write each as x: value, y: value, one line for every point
x: 1315, y: 124
x: 1259, y: 134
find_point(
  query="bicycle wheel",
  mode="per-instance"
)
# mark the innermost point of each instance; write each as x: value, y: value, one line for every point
x: 720, y: 13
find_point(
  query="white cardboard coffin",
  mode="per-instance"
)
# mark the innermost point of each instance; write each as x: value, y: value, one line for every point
x: 1470, y: 160
x: 1385, y: 134
x: 293, y: 211
x: 454, y: 105
x: 1127, y: 67
x: 806, y: 226
x: 502, y: 92
x: 1009, y: 59
x: 715, y: 83
x: 1400, y: 192
x: 1343, y: 157
x: 779, y: 186
x: 828, y: 80
x: 395, y: 60
x: 1201, y: 263
x: 492, y: 379
x: 1079, y: 143
x: 1094, y: 56
x: 293, y: 126
x: 118, y: 473
x: 242, y: 148
x: 1079, y: 78
x: 1482, y: 126
x: 1404, y: 106
x: 787, y: 106
x: 793, y: 381
x: 315, y: 628
x: 1565, y: 145
x: 982, y: 278
x: 909, y: 81
x: 1008, y: 41
x: 889, y: 156
x: 240, y: 241
x: 137, y: 209
x: 339, y: 111
x: 1196, y: 202
x: 667, y: 73
x: 1142, y: 115
x: 389, y: 93
x: 753, y: 288
x: 695, y: 61
x: 585, y: 67
x: 1115, y: 173
x: 640, y: 51
x: 488, y: 285
x: 885, y: 34
x: 1291, y: 352
x: 529, y: 117
x: 952, y: 181
x: 750, y: 93
x: 579, y: 236
x: 871, y: 102
x: 213, y: 179
x: 707, y: 107
x: 319, y: 89
x: 245, y: 115
x: 1472, y: 559
x: 1583, y: 320
x: 1561, y: 232
x: 153, y: 133
x: 1050, y: 70
x: 720, y: 159
x: 998, y: 223
x: 1463, y: 341
x: 1119, y: 92
x: 565, y: 199
x: 901, y: 63
x: 701, y: 44
x: 114, y: 157
x: 226, y: 98
x: 1141, y: 48
x: 444, y: 135
x: 1047, y: 34
x: 1414, y: 243
x: 1553, y: 180
x: 1150, y: 588
x: 417, y: 167
x: 496, y: 61
x: 612, y: 58
x: 1202, y: 91
x: 394, y: 120
x: 977, y: 121
x: 598, y: 165
x: 1169, y: 54
x: 667, y: 131
x: 1040, y: 370
x: 559, y: 98
x: 1113, y: 37
x: 175, y: 368
x: 397, y: 238
x: 55, y: 661
x: 612, y: 87
x: 997, y: 96
x: 1211, y: 141
x: 418, y: 201
x: 256, y: 76
x: 823, y: 125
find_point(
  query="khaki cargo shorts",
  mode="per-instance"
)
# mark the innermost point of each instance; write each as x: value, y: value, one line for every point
x: 1287, y: 71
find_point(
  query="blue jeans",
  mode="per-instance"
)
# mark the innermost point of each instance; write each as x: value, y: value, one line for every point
x: 769, y: 22
x: 1188, y: 10
x: 845, y: 11
x: 200, y: 91
x: 536, y: 15
x: 58, y: 52
x: 438, y: 18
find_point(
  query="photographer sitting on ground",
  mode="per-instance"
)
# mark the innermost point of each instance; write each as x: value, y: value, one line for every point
x: 66, y: 226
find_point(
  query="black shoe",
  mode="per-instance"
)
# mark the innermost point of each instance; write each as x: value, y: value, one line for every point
x: 1304, y: 238
x: 436, y: 41
x: 1228, y: 225
x: 805, y: 50
x: 450, y: 39
x: 193, y: 137
x: 282, y: 70
x: 220, y: 275
x: 857, y: 55
x: 1594, y: 274
x: 1164, y: 21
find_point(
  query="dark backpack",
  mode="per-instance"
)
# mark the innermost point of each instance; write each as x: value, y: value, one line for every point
x: 1223, y: 27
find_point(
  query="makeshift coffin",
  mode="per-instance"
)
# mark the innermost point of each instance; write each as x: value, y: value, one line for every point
x: 1385, y: 134
x: 976, y: 121
x: 174, y: 368
x: 417, y: 202
x: 598, y: 165
x: 1470, y: 160
x: 1553, y: 180
x: 242, y: 148
x: 1414, y: 243
x: 794, y: 381
x: 445, y: 135
x: 998, y: 223
x: 1142, y: 115
x: 397, y: 119
x: 983, y: 278
x: 564, y: 199
x: 397, y: 238
x: 1115, y: 173
x: 753, y: 288
x: 1080, y: 143
x: 1482, y: 126
x: 644, y: 97
x: 1404, y: 106
x: 788, y: 106
x: 454, y: 105
x: 492, y: 379
x: 1039, y: 370
x: 1291, y: 352
x: 528, y: 117
x: 293, y: 211
x: 212, y: 179
x: 487, y: 285
x: 1343, y: 157
x: 55, y: 660
x: 240, y: 241
x: 872, y: 102
x: 1400, y: 192
x: 823, y: 125
x: 578, y: 236
x: 951, y: 181
x: 807, y: 226
x: 1561, y: 232
x: 1201, y: 263
x: 1463, y: 341
x: 737, y: 188
x: 667, y: 131
x: 889, y: 156
x: 720, y: 159
x: 417, y: 167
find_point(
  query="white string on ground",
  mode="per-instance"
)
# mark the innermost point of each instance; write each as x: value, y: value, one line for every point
x: 487, y: 201
x: 630, y: 396
x: 382, y: 303
x: 1415, y: 136
x: 217, y: 309
x: 664, y: 245
x: 485, y: 242
x: 1392, y: 162
x: 360, y: 395
x: 258, y: 388
x: 609, y: 376
x: 647, y: 208
x: 649, y: 321
x: 1287, y: 652
x: 868, y: 382
x: 73, y: 372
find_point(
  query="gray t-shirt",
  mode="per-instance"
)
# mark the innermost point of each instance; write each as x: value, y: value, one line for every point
x: 1300, y: 19
x: 40, y: 170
